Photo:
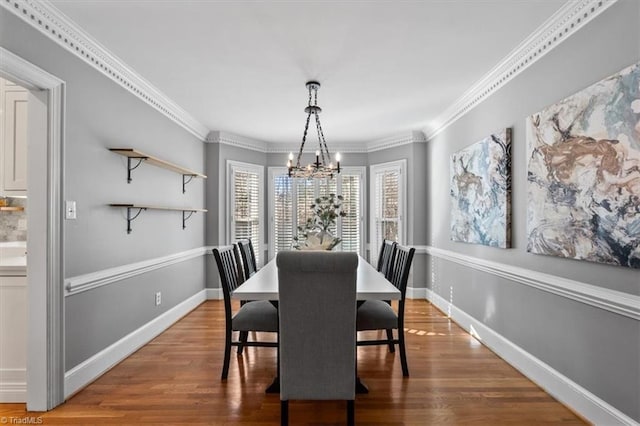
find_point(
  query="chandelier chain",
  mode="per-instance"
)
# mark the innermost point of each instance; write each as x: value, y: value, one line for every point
x: 322, y: 167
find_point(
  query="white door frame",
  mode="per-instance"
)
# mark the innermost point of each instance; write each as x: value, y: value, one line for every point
x: 45, y: 267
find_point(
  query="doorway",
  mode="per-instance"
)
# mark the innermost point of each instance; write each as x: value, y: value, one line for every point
x: 45, y: 298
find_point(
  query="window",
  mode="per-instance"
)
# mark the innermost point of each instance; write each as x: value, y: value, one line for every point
x: 245, y: 204
x: 387, y: 194
x: 290, y: 201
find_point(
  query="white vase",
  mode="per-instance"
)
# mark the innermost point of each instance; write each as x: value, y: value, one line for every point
x: 319, y: 240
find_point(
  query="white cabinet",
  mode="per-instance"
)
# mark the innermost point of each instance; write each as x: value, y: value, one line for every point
x: 13, y: 139
x: 13, y: 339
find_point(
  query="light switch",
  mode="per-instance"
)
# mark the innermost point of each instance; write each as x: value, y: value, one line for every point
x: 70, y: 208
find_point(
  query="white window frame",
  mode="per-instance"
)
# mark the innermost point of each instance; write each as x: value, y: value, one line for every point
x: 374, y: 169
x: 232, y: 167
x: 350, y: 170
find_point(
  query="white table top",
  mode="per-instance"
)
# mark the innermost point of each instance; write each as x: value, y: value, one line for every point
x: 370, y: 285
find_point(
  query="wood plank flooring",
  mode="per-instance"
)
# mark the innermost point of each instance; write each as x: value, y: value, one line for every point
x: 175, y: 379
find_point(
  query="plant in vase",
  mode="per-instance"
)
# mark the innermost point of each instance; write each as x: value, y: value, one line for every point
x: 315, y: 234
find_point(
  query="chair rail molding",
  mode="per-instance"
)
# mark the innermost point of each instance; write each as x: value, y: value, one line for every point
x: 81, y: 283
x: 572, y: 16
x: 46, y: 18
x: 614, y: 301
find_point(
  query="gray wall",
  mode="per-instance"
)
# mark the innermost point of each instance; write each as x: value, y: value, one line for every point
x: 100, y: 114
x: 597, y: 349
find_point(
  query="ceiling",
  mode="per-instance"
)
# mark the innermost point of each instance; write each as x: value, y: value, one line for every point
x: 386, y: 67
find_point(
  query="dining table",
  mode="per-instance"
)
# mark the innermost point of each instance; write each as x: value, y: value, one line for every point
x: 263, y: 285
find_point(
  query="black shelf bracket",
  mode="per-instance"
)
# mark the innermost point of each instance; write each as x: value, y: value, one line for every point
x: 132, y: 218
x: 185, y: 180
x: 129, y: 168
x: 186, y: 217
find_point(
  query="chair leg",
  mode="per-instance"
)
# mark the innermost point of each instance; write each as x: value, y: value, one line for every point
x: 403, y: 353
x: 284, y: 413
x: 227, y: 354
x: 243, y: 339
x: 350, y: 413
x: 392, y: 347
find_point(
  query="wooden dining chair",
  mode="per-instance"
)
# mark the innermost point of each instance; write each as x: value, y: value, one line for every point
x: 384, y: 258
x: 384, y: 262
x: 379, y: 315
x: 249, y: 266
x: 317, y: 302
x: 252, y: 316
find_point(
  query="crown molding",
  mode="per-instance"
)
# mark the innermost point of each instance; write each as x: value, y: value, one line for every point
x: 55, y: 25
x: 560, y: 26
x: 46, y: 18
x: 226, y: 138
x: 359, y: 147
x: 396, y: 140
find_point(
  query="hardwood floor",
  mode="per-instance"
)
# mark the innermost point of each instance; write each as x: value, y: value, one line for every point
x: 175, y: 379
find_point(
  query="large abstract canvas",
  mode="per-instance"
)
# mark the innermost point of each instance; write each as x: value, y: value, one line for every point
x: 481, y: 192
x: 584, y: 174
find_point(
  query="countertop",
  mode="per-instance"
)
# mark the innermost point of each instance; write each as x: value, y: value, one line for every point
x: 13, y: 258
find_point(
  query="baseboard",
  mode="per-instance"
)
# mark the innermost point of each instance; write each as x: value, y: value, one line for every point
x: 559, y: 386
x: 416, y: 293
x: 89, y: 370
x: 214, y: 294
x: 13, y: 385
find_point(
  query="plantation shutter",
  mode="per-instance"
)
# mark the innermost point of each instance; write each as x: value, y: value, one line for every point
x: 283, y: 214
x: 326, y: 187
x: 388, y: 197
x: 351, y: 223
x: 246, y: 206
x: 291, y: 201
x: 305, y: 196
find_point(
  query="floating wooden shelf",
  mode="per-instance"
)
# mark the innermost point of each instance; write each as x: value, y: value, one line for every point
x: 11, y: 209
x: 187, y: 212
x: 132, y: 154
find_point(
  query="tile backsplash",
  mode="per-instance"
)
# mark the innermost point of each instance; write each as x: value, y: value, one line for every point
x: 11, y: 222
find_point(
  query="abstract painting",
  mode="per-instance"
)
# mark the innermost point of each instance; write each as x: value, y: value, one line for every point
x: 584, y: 174
x: 481, y: 192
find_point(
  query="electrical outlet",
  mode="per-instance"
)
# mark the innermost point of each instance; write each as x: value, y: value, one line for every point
x: 158, y: 298
x: 22, y: 224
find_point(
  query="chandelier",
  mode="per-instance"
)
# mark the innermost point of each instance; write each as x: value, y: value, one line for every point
x: 322, y: 167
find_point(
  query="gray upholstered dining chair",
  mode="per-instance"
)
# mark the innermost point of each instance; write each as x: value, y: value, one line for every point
x: 317, y: 302
x: 260, y: 315
x: 379, y: 315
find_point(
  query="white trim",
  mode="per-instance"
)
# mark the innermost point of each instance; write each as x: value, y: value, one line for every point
x: 614, y: 301
x: 557, y: 385
x: 244, y: 142
x: 396, y: 140
x: 45, y: 17
x: 416, y: 293
x: 231, y: 139
x: 50, y: 21
x: 81, y: 283
x: 13, y: 385
x: 401, y: 166
x: 214, y: 293
x: 560, y: 26
x: 344, y: 147
x: 233, y: 166
x: 92, y: 368
x: 45, y: 340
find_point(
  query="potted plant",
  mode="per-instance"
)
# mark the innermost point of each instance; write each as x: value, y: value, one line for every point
x: 315, y: 233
